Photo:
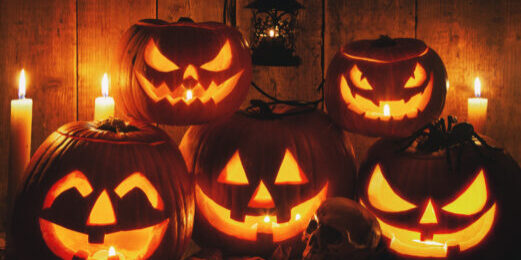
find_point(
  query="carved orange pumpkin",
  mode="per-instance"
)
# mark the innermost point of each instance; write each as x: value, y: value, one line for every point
x: 385, y: 87
x: 181, y: 73
x: 91, y: 186
x: 259, y: 181
x: 439, y: 205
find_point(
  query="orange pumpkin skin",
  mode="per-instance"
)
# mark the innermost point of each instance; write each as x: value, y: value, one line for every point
x: 263, y: 150
x: 159, y: 62
x: 468, y: 208
x: 86, y: 189
x: 366, y: 75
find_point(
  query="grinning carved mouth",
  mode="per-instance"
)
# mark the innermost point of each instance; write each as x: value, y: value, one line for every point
x: 213, y: 92
x: 409, y: 242
x: 134, y: 244
x: 219, y: 218
x: 397, y: 109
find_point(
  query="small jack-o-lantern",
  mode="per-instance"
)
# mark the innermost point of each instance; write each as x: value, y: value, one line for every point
x: 93, y: 186
x: 385, y: 87
x: 259, y: 181
x: 445, y: 196
x: 181, y: 73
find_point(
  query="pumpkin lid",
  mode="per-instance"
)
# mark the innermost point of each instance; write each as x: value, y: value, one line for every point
x: 385, y: 49
x: 114, y: 131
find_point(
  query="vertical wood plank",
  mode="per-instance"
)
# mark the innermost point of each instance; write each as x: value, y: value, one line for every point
x: 346, y: 21
x: 479, y: 38
x: 39, y: 36
x: 100, y: 26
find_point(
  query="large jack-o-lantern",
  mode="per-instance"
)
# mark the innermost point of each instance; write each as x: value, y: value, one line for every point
x: 181, y: 73
x: 442, y: 203
x: 260, y: 180
x: 93, y: 186
x: 385, y: 87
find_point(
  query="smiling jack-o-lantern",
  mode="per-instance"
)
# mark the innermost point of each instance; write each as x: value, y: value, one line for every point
x: 259, y: 181
x: 92, y: 186
x: 181, y: 73
x: 385, y: 87
x: 449, y: 203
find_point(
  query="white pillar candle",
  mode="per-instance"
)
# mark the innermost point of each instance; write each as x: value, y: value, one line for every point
x: 104, y: 105
x: 477, y: 108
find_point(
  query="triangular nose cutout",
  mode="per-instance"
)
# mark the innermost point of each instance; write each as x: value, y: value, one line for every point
x: 190, y: 71
x: 429, y: 216
x: 102, y: 213
x: 261, y: 198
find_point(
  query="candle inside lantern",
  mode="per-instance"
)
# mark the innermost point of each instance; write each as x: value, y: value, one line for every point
x: 447, y: 85
x: 189, y: 95
x: 387, y: 113
x: 104, y: 105
x: 110, y: 254
x: 20, y: 139
x: 477, y: 108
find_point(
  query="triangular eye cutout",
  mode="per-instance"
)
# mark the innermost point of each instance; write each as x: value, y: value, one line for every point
x: 233, y: 173
x: 429, y: 215
x: 472, y: 200
x: 289, y: 171
x: 102, y: 212
x: 261, y: 198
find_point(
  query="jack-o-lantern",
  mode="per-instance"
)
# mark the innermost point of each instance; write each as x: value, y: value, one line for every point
x: 385, y: 87
x: 181, y: 73
x: 96, y: 185
x: 260, y: 180
x: 444, y: 196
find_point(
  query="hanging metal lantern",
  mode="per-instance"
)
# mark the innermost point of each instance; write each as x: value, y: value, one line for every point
x: 273, y: 36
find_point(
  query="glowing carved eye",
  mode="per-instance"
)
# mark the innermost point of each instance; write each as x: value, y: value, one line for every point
x: 139, y: 181
x: 472, y: 200
x: 233, y: 173
x: 222, y: 61
x: 359, y: 80
x: 75, y: 179
x: 419, y: 76
x: 382, y: 196
x: 156, y: 60
x: 289, y: 171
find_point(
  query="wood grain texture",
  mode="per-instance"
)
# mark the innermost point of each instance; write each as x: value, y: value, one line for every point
x: 100, y: 26
x: 39, y: 36
x: 346, y: 21
x: 479, y: 38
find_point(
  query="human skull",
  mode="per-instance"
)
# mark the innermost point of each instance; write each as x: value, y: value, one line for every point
x: 341, y: 229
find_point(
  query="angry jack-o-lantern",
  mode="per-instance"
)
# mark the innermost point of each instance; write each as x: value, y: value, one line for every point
x: 92, y: 186
x: 385, y: 87
x: 260, y: 180
x: 181, y: 73
x: 449, y: 203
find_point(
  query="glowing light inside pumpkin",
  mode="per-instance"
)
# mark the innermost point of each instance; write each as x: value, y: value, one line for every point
x: 188, y: 95
x: 429, y: 216
x: 477, y: 87
x: 267, y: 219
x: 448, y: 85
x: 387, y: 110
x: 261, y: 198
x: 472, y: 200
x: 297, y: 217
x: 289, y: 171
x: 105, y: 85
x: 102, y: 212
x: 271, y: 33
x: 382, y: 196
x: 21, y: 85
x: 112, y: 251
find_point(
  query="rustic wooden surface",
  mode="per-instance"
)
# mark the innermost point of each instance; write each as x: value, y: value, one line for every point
x: 66, y: 46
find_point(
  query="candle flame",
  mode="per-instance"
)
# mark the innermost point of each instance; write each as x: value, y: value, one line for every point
x: 297, y: 217
x: 189, y: 95
x: 387, y: 110
x: 477, y: 87
x: 105, y: 85
x: 267, y: 219
x: 112, y: 251
x: 448, y: 85
x: 21, y: 85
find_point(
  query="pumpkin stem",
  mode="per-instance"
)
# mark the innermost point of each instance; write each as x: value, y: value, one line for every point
x: 384, y: 41
x: 116, y: 125
x: 185, y: 19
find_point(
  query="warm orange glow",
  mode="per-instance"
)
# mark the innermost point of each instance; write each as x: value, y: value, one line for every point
x: 418, y: 78
x: 261, y: 198
x: 75, y: 179
x: 222, y: 61
x: 429, y: 216
x: 354, y: 57
x: 191, y: 71
x: 133, y: 244
x: 155, y: 59
x: 139, y: 181
x: 105, y: 85
x: 473, y: 198
x: 271, y: 33
x: 102, y: 212
x: 448, y: 85
x: 387, y: 110
x: 112, y: 251
x: 189, y: 95
x: 408, y: 242
x: 477, y: 87
x: 219, y: 218
x: 267, y: 219
x: 382, y: 196
x: 21, y: 85
x: 289, y: 171
x: 233, y: 173
x: 358, y: 79
x: 398, y: 108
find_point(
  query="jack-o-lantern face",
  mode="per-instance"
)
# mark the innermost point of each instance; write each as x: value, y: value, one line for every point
x: 387, y: 89
x: 182, y: 73
x: 93, y: 186
x: 259, y: 181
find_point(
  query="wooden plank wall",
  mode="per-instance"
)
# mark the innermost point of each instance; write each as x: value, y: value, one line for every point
x: 66, y: 46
